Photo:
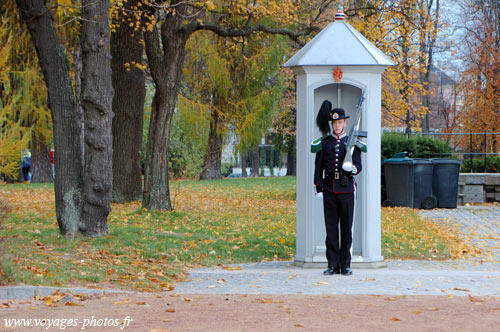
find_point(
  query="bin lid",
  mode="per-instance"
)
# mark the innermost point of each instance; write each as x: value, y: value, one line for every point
x: 406, y: 160
x: 446, y: 161
x: 403, y: 154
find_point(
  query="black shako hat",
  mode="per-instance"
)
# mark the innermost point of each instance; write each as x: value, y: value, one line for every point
x: 326, y: 114
x: 338, y: 114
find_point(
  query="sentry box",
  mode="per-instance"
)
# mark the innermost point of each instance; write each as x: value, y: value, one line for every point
x: 339, y: 64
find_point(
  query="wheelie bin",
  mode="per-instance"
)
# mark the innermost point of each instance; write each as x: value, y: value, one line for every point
x: 445, y: 181
x: 409, y: 182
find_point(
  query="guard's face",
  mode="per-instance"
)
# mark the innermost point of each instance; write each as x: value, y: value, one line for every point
x: 339, y: 126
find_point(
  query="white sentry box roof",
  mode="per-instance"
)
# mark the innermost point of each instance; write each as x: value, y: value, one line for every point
x: 339, y: 44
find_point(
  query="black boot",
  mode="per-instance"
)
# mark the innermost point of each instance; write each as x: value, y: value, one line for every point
x: 331, y: 271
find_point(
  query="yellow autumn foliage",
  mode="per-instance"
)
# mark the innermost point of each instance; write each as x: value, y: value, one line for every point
x: 13, y: 137
x: 24, y: 112
x: 400, y: 29
x: 479, y: 85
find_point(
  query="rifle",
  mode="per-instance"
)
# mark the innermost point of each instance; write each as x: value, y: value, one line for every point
x: 354, y: 134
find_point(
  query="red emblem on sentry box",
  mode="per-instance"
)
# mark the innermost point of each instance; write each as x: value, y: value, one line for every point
x: 337, y: 74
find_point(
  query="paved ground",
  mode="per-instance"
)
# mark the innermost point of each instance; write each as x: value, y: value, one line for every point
x: 482, y: 221
x: 396, y: 278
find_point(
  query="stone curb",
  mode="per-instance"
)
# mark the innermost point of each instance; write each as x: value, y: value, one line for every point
x: 28, y: 292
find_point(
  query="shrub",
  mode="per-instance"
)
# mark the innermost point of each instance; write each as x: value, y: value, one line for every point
x: 492, y: 165
x: 188, y: 143
x: 416, y: 146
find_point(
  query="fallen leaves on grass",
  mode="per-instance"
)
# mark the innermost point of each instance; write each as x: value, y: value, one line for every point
x: 407, y: 235
x: 147, y: 250
x: 220, y: 222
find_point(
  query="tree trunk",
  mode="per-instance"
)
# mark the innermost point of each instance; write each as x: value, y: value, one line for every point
x: 128, y: 108
x: 428, y: 49
x: 77, y: 67
x: 255, y: 161
x: 166, y: 70
x: 244, y: 163
x: 291, y: 168
x: 41, y: 168
x: 53, y: 62
x: 97, y: 94
x: 212, y: 159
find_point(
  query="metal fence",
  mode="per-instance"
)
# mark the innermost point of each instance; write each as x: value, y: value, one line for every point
x: 469, y: 145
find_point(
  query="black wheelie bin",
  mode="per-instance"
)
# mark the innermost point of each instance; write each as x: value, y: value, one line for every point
x: 445, y: 181
x: 408, y: 182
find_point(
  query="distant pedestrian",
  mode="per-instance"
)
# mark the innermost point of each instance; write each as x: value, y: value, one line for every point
x: 336, y: 186
x: 26, y: 165
x: 52, y: 163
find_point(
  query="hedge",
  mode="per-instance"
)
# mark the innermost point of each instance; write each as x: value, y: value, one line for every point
x: 416, y: 146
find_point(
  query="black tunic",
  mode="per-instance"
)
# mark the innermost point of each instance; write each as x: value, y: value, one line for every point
x: 329, y: 160
x: 338, y: 201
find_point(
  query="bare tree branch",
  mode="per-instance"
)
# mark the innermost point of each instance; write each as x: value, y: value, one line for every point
x: 248, y: 30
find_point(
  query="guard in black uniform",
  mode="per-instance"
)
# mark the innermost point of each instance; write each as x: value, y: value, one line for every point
x: 336, y: 186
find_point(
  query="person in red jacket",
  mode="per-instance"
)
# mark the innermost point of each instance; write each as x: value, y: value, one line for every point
x: 52, y: 163
x: 336, y: 186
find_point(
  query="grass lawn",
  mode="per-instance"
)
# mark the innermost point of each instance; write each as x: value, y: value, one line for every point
x: 213, y: 222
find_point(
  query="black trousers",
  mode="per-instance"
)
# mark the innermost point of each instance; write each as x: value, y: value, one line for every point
x: 26, y: 170
x: 338, y: 210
